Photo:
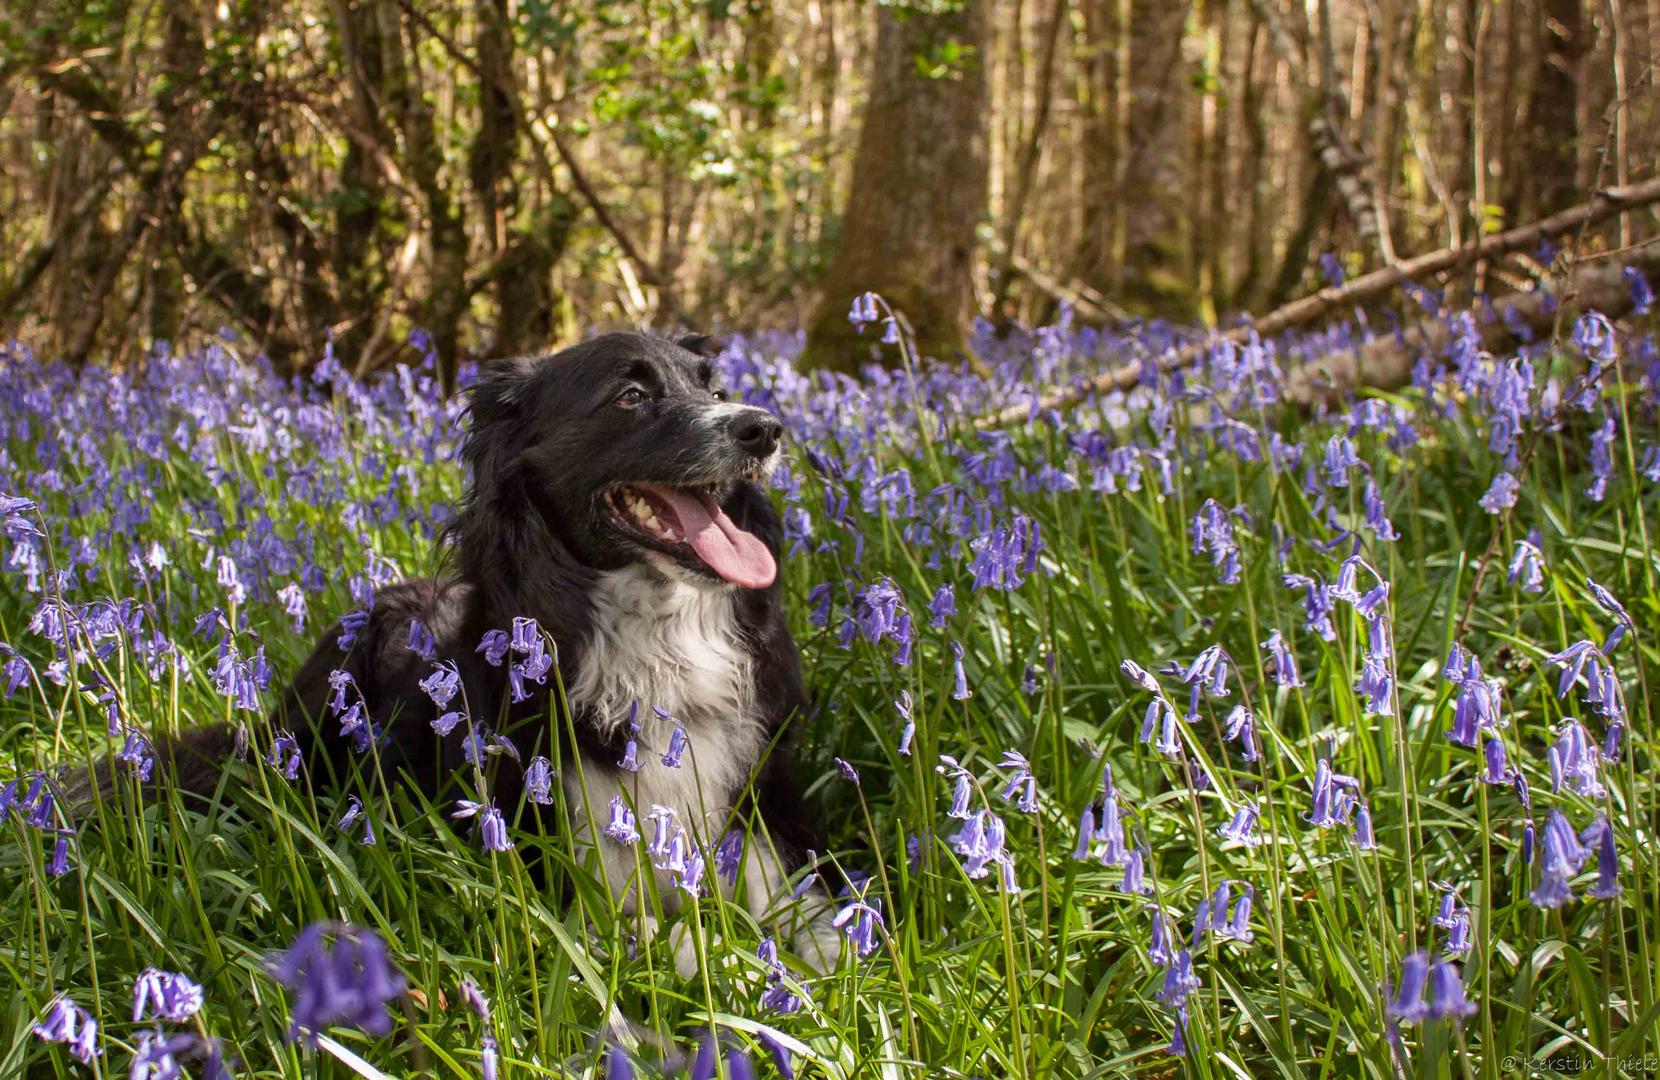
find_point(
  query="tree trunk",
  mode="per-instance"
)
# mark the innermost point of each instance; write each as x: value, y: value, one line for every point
x: 1550, y: 181
x: 918, y: 191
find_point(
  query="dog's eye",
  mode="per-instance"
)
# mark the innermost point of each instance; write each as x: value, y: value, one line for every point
x: 720, y: 395
x: 631, y: 397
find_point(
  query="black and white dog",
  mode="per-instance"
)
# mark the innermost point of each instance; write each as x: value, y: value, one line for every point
x: 612, y: 499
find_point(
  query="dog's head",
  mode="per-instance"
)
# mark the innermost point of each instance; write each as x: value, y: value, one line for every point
x: 628, y: 448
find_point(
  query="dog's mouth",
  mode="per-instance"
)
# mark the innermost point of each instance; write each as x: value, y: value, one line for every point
x: 689, y: 524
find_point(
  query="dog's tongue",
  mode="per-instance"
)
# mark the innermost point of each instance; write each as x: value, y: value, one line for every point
x: 734, y: 554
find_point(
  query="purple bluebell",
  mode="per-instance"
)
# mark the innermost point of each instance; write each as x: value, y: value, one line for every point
x: 1363, y: 836
x: 621, y: 826
x: 962, y: 786
x: 1241, y: 725
x: 861, y: 923
x: 1501, y: 494
x: 337, y: 975
x: 1574, y: 761
x: 677, y: 747
x: 1282, y: 664
x: 1021, y: 788
x: 959, y: 686
x: 729, y: 856
x: 1446, y: 992
x: 285, y: 755
x: 441, y: 686
x: 494, y: 646
x: 539, y: 781
x: 1527, y: 565
x: 166, y: 995
x: 1408, y: 1005
x: 492, y: 828
x: 1607, y: 885
x: 1642, y: 296
x: 66, y: 1022
x: 1241, y: 828
x: 942, y: 607
x: 1135, y: 880
x: 421, y: 641
x: 1317, y: 604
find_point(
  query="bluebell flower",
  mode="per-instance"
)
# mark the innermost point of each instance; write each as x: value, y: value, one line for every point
x: 285, y: 755
x: 1408, y: 1005
x: 959, y: 688
x: 942, y: 607
x: 1236, y: 925
x: 337, y: 975
x: 489, y: 1058
x: 961, y: 787
x: 1593, y: 336
x: 1608, y: 861
x: 354, y: 813
x: 1241, y: 725
x: 621, y: 826
x: 447, y: 722
x: 1498, y: 766
x: 421, y: 641
x: 1363, y: 837
x: 617, y: 1064
x: 66, y: 1022
x: 631, y: 757
x: 59, y: 864
x: 352, y: 624
x: 1021, y: 788
x: 1527, y: 565
x: 818, y: 604
x: 1642, y: 296
x: 1501, y: 494
x: 1086, y: 832
x: 1317, y: 604
x: 492, y: 828
x: 677, y: 747
x: 1179, y: 981
x: 156, y: 1055
x: 441, y: 686
x: 1377, y: 514
x: 494, y: 646
x: 539, y: 781
x: 1161, y: 947
x: 165, y: 994
x: 1241, y: 828
x: 1573, y: 761
x: 860, y: 923
x: 1446, y: 992
x: 729, y: 856
x: 1282, y: 665
x: 1139, y: 676
x: 1134, y: 881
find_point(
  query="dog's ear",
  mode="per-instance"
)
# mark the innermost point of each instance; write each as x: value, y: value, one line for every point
x: 500, y: 387
x: 707, y: 345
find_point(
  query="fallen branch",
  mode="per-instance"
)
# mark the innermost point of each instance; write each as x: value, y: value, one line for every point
x: 1604, y: 205
x: 1385, y: 363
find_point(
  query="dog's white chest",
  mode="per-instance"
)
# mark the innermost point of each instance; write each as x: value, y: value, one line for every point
x: 659, y: 643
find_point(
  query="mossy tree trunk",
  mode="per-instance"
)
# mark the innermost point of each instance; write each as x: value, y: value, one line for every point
x: 918, y: 191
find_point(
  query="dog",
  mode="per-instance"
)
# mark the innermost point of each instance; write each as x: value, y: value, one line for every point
x: 613, y: 499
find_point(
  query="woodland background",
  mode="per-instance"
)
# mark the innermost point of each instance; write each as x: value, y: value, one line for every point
x: 508, y: 174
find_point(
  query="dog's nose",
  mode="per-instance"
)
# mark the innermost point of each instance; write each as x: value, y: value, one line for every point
x: 756, y: 432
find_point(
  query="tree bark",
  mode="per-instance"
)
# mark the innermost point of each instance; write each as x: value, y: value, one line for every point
x: 918, y: 189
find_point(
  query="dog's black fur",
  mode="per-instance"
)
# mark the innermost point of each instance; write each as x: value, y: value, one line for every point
x: 549, y: 437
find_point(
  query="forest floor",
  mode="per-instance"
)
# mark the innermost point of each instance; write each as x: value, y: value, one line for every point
x: 1181, y: 733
